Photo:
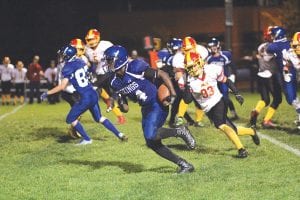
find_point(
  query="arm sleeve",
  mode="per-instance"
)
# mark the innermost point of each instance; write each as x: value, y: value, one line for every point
x: 150, y: 74
x: 232, y: 87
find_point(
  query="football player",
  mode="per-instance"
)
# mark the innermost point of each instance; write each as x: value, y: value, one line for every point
x: 165, y: 57
x: 279, y: 47
x: 202, y: 82
x: 189, y: 45
x: 269, y: 83
x: 222, y: 58
x: 94, y: 52
x: 135, y: 80
x: 74, y: 71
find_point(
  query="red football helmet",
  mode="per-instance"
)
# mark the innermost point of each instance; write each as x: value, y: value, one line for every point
x: 267, y: 33
x: 188, y: 44
x: 193, y: 63
x: 92, y: 38
x: 79, y: 45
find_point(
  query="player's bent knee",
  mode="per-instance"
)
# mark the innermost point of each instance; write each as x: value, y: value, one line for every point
x: 153, y: 144
x: 102, y: 119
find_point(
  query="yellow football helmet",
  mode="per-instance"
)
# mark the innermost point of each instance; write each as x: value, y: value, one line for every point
x: 79, y: 45
x: 92, y: 38
x: 193, y: 64
x: 189, y: 44
x: 296, y: 43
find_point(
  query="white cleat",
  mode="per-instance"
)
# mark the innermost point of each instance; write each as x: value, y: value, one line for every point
x: 84, y: 142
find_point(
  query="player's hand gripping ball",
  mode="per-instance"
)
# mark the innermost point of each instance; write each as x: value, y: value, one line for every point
x: 164, y: 95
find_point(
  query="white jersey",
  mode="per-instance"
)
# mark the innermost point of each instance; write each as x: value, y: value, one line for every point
x: 70, y: 88
x: 205, y: 87
x: 19, y: 75
x: 291, y: 56
x: 203, y: 52
x: 95, y: 56
x: 6, y: 72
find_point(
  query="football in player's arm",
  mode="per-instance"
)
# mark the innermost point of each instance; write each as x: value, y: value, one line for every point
x: 135, y: 80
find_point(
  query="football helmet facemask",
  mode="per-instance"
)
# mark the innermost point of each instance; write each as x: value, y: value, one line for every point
x: 193, y: 64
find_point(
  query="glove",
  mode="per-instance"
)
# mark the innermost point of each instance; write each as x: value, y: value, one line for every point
x: 43, y: 96
x: 239, y: 98
x: 170, y: 100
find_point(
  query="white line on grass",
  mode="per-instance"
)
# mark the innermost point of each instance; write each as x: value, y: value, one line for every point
x: 12, y: 112
x: 280, y: 144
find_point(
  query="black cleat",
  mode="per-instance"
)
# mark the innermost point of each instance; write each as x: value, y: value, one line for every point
x: 242, y: 153
x: 185, y: 167
x: 184, y: 133
x: 123, y: 138
x: 253, y: 118
x: 255, y: 137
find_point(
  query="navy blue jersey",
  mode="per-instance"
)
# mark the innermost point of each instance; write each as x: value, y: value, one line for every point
x: 75, y: 72
x: 277, y: 49
x: 134, y: 83
x: 223, y: 60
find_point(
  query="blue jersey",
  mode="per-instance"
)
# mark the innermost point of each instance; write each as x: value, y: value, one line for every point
x: 277, y: 49
x: 134, y: 83
x: 75, y: 72
x: 223, y: 60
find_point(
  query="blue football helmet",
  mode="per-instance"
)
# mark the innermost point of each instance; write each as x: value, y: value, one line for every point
x: 278, y: 33
x: 116, y: 57
x: 163, y: 56
x: 67, y: 52
x: 214, y: 42
x: 174, y: 44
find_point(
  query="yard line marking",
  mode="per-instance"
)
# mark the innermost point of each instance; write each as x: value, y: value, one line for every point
x: 280, y: 144
x: 12, y: 112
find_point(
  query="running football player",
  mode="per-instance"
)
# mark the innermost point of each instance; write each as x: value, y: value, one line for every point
x: 135, y: 80
x: 74, y: 71
x: 202, y: 82
x: 94, y: 52
x: 222, y: 58
x: 269, y: 83
x: 279, y: 47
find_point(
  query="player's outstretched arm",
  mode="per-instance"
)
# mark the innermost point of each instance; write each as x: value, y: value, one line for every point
x: 56, y: 89
x: 235, y: 91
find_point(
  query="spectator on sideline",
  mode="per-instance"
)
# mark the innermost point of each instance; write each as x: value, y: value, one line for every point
x: 6, y: 72
x: 19, y: 75
x: 34, y: 74
x: 50, y: 75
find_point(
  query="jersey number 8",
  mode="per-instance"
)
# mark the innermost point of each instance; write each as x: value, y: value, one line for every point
x: 81, y: 78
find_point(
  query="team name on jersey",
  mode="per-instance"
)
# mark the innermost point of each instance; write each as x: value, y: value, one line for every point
x: 129, y: 88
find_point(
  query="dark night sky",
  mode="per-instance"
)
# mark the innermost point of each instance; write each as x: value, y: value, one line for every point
x: 31, y: 27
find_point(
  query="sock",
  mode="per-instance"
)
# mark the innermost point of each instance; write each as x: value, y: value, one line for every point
x: 244, y: 131
x: 163, y: 151
x: 182, y: 108
x: 117, y: 111
x: 79, y: 129
x: 107, y: 124
x: 199, y: 115
x: 260, y: 105
x: 269, y: 114
x: 231, y: 134
x: 104, y: 94
x: 230, y: 105
x: 163, y: 133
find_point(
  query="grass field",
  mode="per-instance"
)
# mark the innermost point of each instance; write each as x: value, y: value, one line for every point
x: 38, y: 160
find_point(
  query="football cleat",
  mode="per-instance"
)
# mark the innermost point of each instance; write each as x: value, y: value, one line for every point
x: 121, y: 120
x: 123, y: 138
x: 84, y: 142
x: 269, y: 124
x: 185, y: 167
x: 184, y: 133
x: 255, y: 137
x: 253, y: 118
x: 242, y: 153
